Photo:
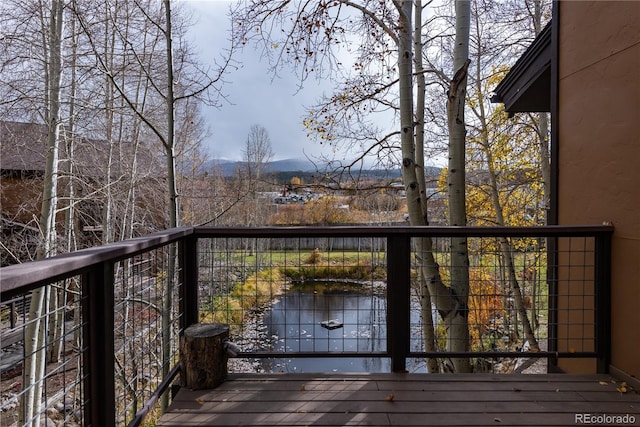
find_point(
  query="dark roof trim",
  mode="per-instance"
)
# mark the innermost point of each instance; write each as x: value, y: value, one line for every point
x: 527, y: 86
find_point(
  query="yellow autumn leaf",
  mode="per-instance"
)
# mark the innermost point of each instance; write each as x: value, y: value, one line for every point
x: 622, y: 388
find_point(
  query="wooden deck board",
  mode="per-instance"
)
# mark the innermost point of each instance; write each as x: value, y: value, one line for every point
x: 418, y: 399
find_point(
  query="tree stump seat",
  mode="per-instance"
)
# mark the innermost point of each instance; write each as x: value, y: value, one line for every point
x: 203, y: 355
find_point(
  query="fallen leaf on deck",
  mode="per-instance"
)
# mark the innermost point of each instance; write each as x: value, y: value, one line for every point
x: 622, y: 388
x: 390, y: 397
x: 200, y: 401
x: 303, y: 388
x: 604, y: 383
x: 498, y: 420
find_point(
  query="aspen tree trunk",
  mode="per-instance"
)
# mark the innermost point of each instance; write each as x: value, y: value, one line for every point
x: 543, y: 126
x: 545, y: 164
x: 507, y: 254
x: 34, y: 346
x: 173, y: 204
x: 130, y: 208
x: 170, y: 103
x: 545, y: 167
x: 108, y: 54
x: 505, y: 246
x: 425, y: 245
x: 545, y: 170
x: 458, y: 339
x: 432, y: 283
x: 61, y: 294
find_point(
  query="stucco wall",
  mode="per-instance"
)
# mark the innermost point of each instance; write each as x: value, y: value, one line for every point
x: 599, y: 148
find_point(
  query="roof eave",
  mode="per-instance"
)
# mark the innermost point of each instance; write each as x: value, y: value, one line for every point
x: 527, y: 86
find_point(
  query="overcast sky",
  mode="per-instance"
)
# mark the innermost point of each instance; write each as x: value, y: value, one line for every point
x: 254, y: 95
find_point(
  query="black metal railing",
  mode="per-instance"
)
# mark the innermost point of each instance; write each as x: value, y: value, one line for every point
x: 119, y: 309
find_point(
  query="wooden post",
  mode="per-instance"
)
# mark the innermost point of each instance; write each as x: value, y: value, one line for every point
x: 203, y: 356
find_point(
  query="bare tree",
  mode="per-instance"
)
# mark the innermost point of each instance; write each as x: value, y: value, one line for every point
x: 256, y: 155
x: 157, y: 69
x: 130, y: 95
x: 257, y: 152
x: 167, y: 89
x: 35, y: 348
x: 194, y: 183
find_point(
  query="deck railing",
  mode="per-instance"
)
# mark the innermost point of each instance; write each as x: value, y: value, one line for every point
x: 111, y: 316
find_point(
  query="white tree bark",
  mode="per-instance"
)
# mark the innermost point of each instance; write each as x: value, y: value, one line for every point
x: 543, y: 124
x: 109, y: 94
x: 424, y: 246
x: 167, y: 335
x: 35, y: 335
x: 458, y: 339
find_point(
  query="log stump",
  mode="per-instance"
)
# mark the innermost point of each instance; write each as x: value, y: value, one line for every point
x: 203, y: 356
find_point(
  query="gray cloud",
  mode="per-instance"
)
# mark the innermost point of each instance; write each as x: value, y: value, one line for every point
x: 255, y: 96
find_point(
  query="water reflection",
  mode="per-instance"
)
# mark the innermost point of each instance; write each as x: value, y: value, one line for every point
x: 296, y: 322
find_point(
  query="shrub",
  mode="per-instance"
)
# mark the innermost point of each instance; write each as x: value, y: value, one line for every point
x: 315, y: 257
x: 357, y: 271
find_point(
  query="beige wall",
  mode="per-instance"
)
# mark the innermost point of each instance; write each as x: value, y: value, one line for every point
x: 599, y: 147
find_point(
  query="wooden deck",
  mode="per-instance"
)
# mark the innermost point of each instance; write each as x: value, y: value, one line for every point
x: 402, y: 399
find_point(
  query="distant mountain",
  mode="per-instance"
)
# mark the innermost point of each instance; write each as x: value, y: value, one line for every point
x: 287, y: 165
x: 290, y: 165
x: 304, y: 166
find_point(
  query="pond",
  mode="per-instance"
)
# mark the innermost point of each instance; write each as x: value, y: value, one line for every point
x: 295, y: 322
